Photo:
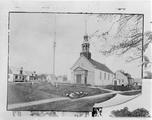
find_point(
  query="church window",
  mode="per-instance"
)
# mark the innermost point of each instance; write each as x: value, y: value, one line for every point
x: 104, y: 75
x: 111, y: 76
x: 100, y: 75
x: 108, y: 76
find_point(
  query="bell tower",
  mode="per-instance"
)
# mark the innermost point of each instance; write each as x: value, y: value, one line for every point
x: 86, y: 45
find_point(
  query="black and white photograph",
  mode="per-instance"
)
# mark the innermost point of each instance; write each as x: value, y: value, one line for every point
x: 79, y: 63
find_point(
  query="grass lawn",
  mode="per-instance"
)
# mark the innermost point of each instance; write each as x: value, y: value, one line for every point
x: 131, y: 93
x: 62, y: 90
x: 68, y: 105
x: 26, y: 92
x: 21, y: 92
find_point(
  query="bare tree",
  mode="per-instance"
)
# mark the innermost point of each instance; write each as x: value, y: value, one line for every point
x: 128, y: 36
x: 124, y: 36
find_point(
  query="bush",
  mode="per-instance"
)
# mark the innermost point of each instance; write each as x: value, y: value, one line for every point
x: 118, y: 88
x: 121, y: 113
x: 140, y: 112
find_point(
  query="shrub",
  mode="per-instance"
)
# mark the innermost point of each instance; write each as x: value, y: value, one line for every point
x: 121, y: 113
x: 140, y: 112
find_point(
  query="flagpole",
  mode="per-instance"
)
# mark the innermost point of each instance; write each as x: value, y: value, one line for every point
x: 54, y: 44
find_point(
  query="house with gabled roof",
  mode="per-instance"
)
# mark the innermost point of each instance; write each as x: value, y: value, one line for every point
x: 122, y: 78
x: 20, y: 75
x: 88, y: 71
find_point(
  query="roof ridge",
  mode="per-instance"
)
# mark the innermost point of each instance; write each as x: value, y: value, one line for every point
x: 97, y: 61
x: 100, y: 66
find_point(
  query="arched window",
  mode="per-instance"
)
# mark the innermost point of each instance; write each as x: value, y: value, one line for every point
x: 86, y: 47
x: 83, y: 47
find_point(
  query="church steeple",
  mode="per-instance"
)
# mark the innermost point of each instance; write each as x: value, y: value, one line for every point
x: 86, y: 45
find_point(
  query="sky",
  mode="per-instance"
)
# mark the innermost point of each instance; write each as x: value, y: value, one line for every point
x: 31, y: 43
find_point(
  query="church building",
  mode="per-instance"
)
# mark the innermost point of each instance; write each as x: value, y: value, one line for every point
x: 88, y: 71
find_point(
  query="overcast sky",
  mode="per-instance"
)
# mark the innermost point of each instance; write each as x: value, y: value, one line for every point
x: 31, y: 43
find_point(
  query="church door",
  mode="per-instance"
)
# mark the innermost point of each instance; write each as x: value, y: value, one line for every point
x: 115, y: 82
x: 78, y: 78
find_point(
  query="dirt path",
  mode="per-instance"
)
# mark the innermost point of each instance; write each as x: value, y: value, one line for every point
x: 18, y: 105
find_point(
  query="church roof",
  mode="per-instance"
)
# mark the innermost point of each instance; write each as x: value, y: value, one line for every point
x: 100, y: 66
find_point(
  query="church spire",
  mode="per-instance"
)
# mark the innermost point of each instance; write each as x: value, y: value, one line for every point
x: 85, y: 22
x: 85, y: 25
x: 85, y: 45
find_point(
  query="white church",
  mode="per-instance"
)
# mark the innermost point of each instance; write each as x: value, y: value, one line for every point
x: 88, y: 71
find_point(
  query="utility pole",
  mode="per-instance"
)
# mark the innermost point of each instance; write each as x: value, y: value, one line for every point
x: 54, y: 44
x: 142, y: 65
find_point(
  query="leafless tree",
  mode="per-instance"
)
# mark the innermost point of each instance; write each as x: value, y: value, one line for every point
x: 124, y: 36
x: 128, y: 37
